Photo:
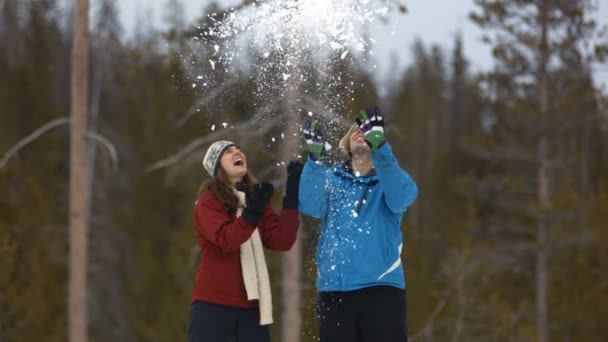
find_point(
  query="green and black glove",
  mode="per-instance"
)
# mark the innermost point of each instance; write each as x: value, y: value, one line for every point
x: 371, y: 124
x: 315, y: 139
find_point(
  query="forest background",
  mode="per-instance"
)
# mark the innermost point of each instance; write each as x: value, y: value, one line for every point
x: 508, y: 240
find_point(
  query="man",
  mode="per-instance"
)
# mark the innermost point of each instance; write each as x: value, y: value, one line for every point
x: 361, y: 203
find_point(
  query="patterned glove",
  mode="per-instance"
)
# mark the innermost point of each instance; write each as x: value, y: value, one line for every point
x: 371, y: 124
x: 256, y: 202
x: 315, y: 139
x: 294, y: 171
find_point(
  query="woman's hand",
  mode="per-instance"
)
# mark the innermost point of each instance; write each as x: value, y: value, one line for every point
x: 294, y: 171
x: 256, y: 201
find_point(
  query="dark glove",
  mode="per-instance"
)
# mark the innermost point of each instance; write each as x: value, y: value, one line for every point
x: 256, y: 201
x: 371, y: 124
x: 294, y: 171
x: 315, y: 139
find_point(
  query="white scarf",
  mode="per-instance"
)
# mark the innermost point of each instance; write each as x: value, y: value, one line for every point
x: 255, y: 271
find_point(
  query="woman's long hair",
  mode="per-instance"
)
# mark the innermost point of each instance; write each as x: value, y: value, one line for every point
x: 222, y: 188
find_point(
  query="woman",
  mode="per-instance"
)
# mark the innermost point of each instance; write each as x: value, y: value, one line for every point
x: 234, y: 221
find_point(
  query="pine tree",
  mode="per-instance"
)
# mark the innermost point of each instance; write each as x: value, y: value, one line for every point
x: 34, y: 177
x: 530, y: 39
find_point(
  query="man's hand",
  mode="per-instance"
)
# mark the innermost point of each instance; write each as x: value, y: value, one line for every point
x: 314, y: 139
x: 371, y: 124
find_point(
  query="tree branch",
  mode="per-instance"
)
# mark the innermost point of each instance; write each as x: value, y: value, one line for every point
x: 428, y: 328
x: 47, y: 127
x: 28, y: 139
x: 247, y: 125
x: 212, y: 95
x: 505, y: 153
x: 108, y: 145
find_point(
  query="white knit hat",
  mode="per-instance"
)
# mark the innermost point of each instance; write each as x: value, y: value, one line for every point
x: 214, y: 153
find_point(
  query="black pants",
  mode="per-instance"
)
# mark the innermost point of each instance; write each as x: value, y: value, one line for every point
x: 218, y: 323
x: 374, y: 314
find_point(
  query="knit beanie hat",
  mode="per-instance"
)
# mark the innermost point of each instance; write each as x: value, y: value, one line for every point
x: 214, y: 153
x: 344, y: 144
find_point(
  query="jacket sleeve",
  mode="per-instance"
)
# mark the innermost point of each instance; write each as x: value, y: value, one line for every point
x: 279, y: 232
x: 399, y: 189
x: 312, y: 193
x: 213, y: 222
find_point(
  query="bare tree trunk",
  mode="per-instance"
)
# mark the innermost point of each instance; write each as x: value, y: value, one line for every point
x: 77, y: 291
x: 292, y: 262
x: 11, y: 35
x: 585, y: 141
x: 461, y: 302
x: 542, y: 254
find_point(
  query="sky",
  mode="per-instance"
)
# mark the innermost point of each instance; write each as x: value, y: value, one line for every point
x: 432, y: 21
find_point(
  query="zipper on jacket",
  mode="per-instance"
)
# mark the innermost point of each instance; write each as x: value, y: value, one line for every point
x: 364, y: 197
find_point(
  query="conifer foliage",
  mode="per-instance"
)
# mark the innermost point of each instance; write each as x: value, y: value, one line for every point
x: 506, y: 242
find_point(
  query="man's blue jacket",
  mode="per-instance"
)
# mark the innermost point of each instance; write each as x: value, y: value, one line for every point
x: 360, y: 241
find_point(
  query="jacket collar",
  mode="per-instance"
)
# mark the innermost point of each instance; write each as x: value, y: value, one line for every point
x: 345, y: 170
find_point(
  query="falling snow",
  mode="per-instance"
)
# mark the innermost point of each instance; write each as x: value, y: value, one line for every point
x: 335, y: 46
x: 288, y: 35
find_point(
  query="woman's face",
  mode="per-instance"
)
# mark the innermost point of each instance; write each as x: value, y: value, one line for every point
x: 234, y: 163
x: 357, y: 142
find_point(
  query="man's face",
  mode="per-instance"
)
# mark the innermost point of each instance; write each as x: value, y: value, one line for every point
x: 357, y: 142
